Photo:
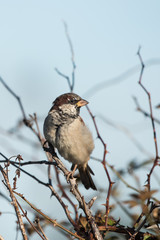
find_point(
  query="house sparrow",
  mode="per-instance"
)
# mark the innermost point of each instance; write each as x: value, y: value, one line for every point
x: 65, y: 130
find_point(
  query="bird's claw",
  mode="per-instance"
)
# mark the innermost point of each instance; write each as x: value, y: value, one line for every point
x: 70, y: 174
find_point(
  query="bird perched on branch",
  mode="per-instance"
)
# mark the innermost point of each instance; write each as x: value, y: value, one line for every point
x: 65, y: 130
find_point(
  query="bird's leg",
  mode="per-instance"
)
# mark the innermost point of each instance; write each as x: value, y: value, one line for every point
x: 70, y: 174
x: 46, y: 149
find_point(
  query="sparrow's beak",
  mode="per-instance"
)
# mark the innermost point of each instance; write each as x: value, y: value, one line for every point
x: 81, y: 103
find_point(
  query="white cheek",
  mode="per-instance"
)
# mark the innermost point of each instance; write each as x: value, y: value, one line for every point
x: 68, y: 109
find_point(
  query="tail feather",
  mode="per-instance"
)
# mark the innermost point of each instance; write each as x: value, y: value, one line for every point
x: 90, y: 170
x: 86, y: 177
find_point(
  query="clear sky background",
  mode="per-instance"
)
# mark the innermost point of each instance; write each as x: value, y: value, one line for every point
x: 105, y: 35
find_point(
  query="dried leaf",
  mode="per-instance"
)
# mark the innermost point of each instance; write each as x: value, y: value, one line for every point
x: 132, y: 203
x: 83, y: 221
x: 14, y: 183
x: 145, y: 209
x: 18, y: 172
x: 19, y: 157
x: 135, y: 195
x: 158, y: 106
x: 144, y: 195
x: 115, y: 192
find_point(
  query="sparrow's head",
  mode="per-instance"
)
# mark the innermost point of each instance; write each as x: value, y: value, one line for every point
x: 69, y: 104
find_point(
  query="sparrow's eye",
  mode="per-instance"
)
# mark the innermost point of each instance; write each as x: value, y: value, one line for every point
x: 72, y: 100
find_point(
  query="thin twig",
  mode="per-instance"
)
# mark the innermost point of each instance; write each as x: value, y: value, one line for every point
x: 25, y: 215
x: 74, y: 190
x: 47, y: 185
x: 29, y: 162
x: 72, y: 55
x: 150, y: 104
x: 126, y: 131
x: 40, y: 228
x: 54, y: 222
x: 64, y: 76
x: 70, y: 83
x: 145, y: 219
x: 14, y: 202
x: 65, y: 195
x: 152, y: 121
x: 104, y: 164
x: 146, y: 114
x: 14, y: 95
x: 122, y: 179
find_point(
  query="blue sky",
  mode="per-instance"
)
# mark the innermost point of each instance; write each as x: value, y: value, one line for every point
x: 105, y: 36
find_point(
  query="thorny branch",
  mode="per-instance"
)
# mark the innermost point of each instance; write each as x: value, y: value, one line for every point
x: 53, y: 192
x: 82, y: 204
x: 47, y: 185
x: 14, y: 202
x: 54, y: 222
x: 104, y: 165
x: 65, y: 195
x: 146, y: 114
x: 127, y: 132
x: 155, y: 163
x: 40, y: 228
x: 25, y: 215
x: 117, y: 173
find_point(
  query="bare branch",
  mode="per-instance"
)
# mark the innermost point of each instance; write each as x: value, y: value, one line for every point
x: 152, y: 120
x: 143, y: 111
x: 122, y: 179
x: 54, y: 222
x: 14, y: 202
x: 70, y: 83
x: 74, y: 190
x: 53, y: 192
x: 65, y: 195
x: 41, y: 229
x: 25, y: 215
x: 16, y: 96
x: 64, y: 76
x: 72, y: 55
x: 29, y: 162
x: 152, y: 207
x: 104, y: 164
x: 127, y: 132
